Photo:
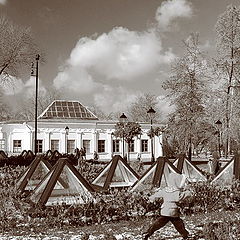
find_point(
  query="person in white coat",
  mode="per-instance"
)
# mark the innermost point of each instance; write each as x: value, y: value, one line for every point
x: 170, y: 211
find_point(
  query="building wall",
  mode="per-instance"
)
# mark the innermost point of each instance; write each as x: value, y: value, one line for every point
x: 79, y: 132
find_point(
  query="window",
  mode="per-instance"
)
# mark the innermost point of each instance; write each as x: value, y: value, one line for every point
x: 131, y: 146
x: 54, y: 145
x: 70, y: 146
x: 101, y: 146
x: 2, y: 144
x: 17, y: 146
x: 116, y: 146
x: 39, y: 146
x: 144, y: 145
x: 86, y: 144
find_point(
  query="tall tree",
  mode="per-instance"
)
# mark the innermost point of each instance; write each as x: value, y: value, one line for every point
x: 17, y: 48
x: 138, y: 109
x: 228, y: 62
x: 187, y: 90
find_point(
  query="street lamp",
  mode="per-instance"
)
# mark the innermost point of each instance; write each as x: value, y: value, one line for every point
x: 36, y: 99
x: 151, y: 112
x: 123, y: 120
x: 67, y: 131
x: 218, y: 124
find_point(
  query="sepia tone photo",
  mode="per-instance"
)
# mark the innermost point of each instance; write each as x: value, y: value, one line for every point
x: 119, y: 119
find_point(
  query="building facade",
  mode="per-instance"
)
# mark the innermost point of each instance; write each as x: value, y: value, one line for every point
x: 67, y: 125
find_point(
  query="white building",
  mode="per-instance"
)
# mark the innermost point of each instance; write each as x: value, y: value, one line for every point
x: 84, y: 130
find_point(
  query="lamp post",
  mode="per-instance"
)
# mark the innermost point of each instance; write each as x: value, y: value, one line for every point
x: 123, y: 120
x: 36, y: 99
x: 151, y: 112
x: 218, y: 123
x: 67, y: 131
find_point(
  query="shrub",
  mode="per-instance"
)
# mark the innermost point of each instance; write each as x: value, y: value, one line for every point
x: 112, y: 206
x: 207, y: 198
x: 222, y: 230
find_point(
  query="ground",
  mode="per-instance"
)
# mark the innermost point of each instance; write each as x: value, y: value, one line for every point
x: 123, y: 230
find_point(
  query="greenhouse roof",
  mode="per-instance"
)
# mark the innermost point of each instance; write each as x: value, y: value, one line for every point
x: 61, y: 109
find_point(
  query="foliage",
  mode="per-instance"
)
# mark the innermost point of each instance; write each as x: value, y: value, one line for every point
x: 113, y: 206
x: 187, y: 89
x: 226, y: 228
x: 208, y: 197
x: 155, y: 131
x: 128, y: 130
x: 89, y: 170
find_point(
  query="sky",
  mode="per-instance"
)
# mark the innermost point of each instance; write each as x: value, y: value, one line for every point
x: 107, y: 52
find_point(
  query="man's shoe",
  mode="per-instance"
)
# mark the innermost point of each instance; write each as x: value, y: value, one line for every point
x: 145, y: 236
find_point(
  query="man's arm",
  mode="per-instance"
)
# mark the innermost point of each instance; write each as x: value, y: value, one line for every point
x: 157, y: 194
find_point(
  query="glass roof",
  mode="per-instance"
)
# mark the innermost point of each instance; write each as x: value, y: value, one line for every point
x: 67, y: 109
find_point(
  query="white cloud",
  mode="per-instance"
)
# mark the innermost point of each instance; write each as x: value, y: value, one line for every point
x: 75, y: 79
x: 3, y: 2
x: 17, y: 86
x: 120, y: 55
x: 114, y: 99
x: 170, y: 10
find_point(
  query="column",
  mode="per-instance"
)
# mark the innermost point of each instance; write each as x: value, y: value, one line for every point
x: 95, y: 140
x: 79, y: 140
x: 31, y: 133
x: 63, y: 143
x: 138, y: 145
x: 47, y: 144
x: 10, y: 143
x: 109, y: 148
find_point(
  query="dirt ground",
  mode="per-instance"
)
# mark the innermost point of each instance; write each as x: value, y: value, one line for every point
x: 124, y: 230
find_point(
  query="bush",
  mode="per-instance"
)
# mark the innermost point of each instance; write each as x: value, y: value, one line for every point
x: 112, y: 206
x: 208, y: 198
x: 222, y: 226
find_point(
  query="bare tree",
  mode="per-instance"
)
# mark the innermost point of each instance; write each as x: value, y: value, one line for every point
x: 5, y: 113
x: 228, y: 62
x: 102, y: 115
x: 137, y: 111
x: 27, y: 109
x: 17, y: 48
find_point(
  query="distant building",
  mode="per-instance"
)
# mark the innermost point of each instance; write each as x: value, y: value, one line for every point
x: 84, y: 130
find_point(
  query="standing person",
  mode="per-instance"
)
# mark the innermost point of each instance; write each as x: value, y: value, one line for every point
x: 169, y: 210
x: 95, y: 156
x: 139, y: 159
x: 215, y: 162
x: 83, y: 150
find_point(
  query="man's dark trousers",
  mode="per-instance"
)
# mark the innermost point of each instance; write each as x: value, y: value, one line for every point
x: 163, y: 220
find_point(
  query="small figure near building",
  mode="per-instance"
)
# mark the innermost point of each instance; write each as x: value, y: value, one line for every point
x: 95, y: 156
x: 215, y: 163
x: 83, y: 153
x: 140, y: 162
